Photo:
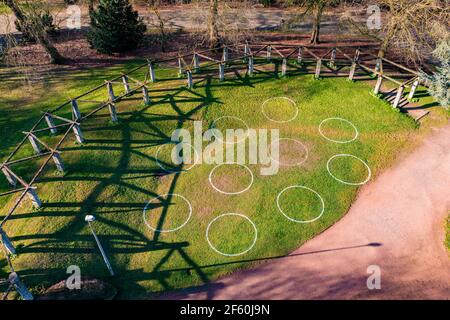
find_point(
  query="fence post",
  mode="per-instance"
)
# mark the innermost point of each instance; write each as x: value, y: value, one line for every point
x: 37, y: 203
x: 377, y: 88
x: 196, y: 62
x: 110, y: 90
x: 34, y: 144
x: 51, y: 124
x: 284, y: 67
x: 126, y: 84
x: 112, y: 111
x: 189, y: 79
x: 352, y: 71
x: 221, y: 72
x: 11, y: 179
x: 398, y: 97
x: 379, y: 65
x: 299, y: 56
x: 333, y: 58
x: 78, y: 133
x: 269, y: 53
x: 145, y: 95
x: 180, y: 67
x: 225, y: 54
x: 413, y: 89
x: 151, y: 71
x: 250, y: 65
x: 58, y: 162
x: 76, y: 115
x: 318, y: 67
x: 7, y: 242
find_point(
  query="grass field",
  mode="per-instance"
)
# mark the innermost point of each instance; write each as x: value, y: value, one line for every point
x: 114, y: 174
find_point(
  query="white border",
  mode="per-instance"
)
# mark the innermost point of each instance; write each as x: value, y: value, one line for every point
x: 232, y: 254
x: 230, y: 117
x: 306, y: 188
x: 167, y: 230
x: 346, y: 182
x: 279, y: 152
x: 231, y: 193
x: 338, y: 141
x: 280, y: 121
x: 196, y: 158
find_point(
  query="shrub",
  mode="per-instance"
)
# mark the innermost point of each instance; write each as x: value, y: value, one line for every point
x: 115, y: 27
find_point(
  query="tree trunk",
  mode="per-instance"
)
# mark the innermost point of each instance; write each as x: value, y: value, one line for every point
x: 214, y: 40
x: 37, y: 31
x: 386, y: 41
x: 316, y: 25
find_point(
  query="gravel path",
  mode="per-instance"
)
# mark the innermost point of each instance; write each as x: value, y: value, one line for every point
x: 397, y: 223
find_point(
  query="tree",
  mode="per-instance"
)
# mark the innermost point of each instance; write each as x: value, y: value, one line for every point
x: 317, y: 7
x: 439, y: 81
x: 160, y: 25
x: 213, y: 32
x: 32, y: 23
x: 410, y: 26
x: 115, y: 27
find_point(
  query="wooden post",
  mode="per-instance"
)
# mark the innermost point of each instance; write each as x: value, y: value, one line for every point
x: 7, y: 242
x: 126, y: 85
x: 78, y: 133
x: 378, y: 66
x: 333, y: 58
x: 151, y: 71
x: 351, y: 75
x: 34, y: 144
x: 299, y: 56
x: 145, y: 95
x: 250, y: 65
x: 377, y: 88
x: 357, y: 53
x: 11, y: 179
x: 269, y: 53
x: 414, y: 86
x: 76, y: 115
x: 58, y: 162
x: 112, y: 111
x: 225, y: 55
x: 221, y: 72
x: 398, y: 97
x: 246, y: 49
x: 190, y: 83
x: 318, y: 67
x: 180, y: 67
x: 51, y: 124
x: 196, y: 62
x: 284, y: 67
x: 110, y: 90
x: 37, y: 203
x: 20, y: 287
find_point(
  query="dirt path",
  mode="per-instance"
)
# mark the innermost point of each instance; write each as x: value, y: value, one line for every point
x: 401, y: 214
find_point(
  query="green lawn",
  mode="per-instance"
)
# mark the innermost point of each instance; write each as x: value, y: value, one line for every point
x: 114, y: 174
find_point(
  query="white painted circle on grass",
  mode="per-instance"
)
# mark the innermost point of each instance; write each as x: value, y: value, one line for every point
x: 290, y: 164
x: 275, y: 120
x: 339, y: 141
x: 165, y: 196
x: 247, y: 128
x: 369, y: 174
x: 196, y: 158
x: 232, y: 254
x: 231, y: 193
x: 308, y: 189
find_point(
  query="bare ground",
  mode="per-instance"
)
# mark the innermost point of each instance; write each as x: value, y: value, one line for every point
x: 397, y: 223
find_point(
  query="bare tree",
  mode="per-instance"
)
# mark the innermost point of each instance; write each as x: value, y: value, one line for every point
x: 227, y: 21
x: 317, y: 7
x: 413, y: 27
x: 154, y: 6
x: 32, y: 22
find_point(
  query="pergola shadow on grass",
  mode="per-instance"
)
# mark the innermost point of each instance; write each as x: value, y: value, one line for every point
x: 87, y: 109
